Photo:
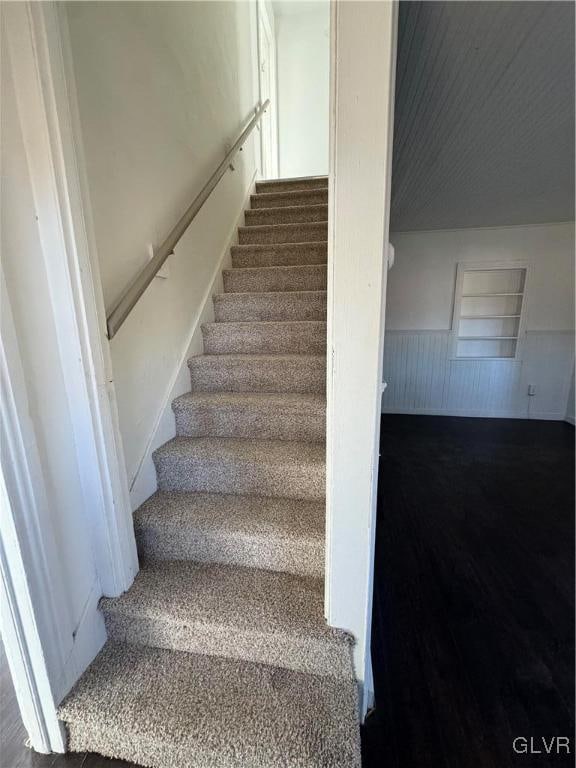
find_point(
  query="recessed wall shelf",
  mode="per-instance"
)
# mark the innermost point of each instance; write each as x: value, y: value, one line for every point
x: 488, y: 308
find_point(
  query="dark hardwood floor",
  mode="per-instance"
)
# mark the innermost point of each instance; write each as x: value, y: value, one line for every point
x: 473, y: 619
x: 473, y: 636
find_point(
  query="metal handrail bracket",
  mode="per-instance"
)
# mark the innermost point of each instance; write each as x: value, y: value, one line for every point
x: 134, y: 291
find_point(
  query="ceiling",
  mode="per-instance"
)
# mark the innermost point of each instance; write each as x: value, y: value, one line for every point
x: 484, y: 115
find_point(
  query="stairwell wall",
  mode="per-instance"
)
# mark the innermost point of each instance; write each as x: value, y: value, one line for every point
x: 163, y: 89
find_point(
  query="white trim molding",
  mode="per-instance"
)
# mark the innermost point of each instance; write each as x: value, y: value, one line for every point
x: 50, y: 638
x: 363, y: 55
x: 29, y: 614
x: 44, y: 96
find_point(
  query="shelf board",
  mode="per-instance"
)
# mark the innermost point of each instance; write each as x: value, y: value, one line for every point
x: 488, y: 295
x: 487, y: 317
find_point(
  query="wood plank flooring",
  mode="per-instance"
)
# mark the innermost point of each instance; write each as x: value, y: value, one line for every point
x: 473, y: 623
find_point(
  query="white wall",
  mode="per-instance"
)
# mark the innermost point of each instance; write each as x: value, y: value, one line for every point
x: 303, y: 74
x: 420, y: 374
x: 162, y: 89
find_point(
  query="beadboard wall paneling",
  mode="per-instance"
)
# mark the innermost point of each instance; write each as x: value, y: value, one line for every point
x: 422, y: 378
x: 484, y: 114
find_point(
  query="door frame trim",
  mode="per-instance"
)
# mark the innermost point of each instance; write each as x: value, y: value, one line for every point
x: 38, y: 50
x: 362, y: 74
x: 263, y: 17
x: 43, y: 81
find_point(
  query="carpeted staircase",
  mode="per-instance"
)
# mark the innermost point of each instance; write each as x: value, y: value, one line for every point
x: 219, y: 655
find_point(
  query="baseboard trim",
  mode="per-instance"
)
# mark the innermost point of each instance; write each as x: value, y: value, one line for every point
x: 143, y: 484
x: 89, y: 638
x: 475, y: 414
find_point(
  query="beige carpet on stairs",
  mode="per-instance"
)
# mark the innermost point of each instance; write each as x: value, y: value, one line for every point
x: 219, y: 655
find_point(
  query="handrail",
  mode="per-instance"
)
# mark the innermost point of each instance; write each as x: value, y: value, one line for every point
x: 129, y: 298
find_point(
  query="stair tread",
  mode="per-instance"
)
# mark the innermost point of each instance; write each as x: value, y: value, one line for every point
x: 238, y: 356
x: 240, y: 295
x: 265, y: 357
x: 289, y: 214
x: 279, y: 324
x: 283, y: 233
x: 266, y: 452
x: 278, y: 278
x: 272, y: 254
x: 253, y: 372
x: 284, y: 268
x: 299, y: 183
x: 233, y: 515
x: 251, y: 531
x: 305, y: 244
x: 240, y: 599
x: 261, y: 336
x: 286, y: 179
x: 167, y: 708
x: 276, y: 401
x: 289, y: 226
x: 273, y: 199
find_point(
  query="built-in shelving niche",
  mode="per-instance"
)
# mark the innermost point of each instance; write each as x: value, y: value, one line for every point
x: 488, y: 312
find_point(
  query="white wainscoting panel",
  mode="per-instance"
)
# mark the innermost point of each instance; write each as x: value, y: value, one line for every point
x: 422, y: 377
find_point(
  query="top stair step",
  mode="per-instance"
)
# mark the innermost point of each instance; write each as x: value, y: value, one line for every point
x: 289, y: 185
x: 290, y: 198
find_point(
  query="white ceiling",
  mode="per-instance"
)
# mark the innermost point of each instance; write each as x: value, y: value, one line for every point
x: 484, y: 123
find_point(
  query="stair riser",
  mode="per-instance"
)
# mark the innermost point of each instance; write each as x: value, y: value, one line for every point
x: 183, y: 473
x: 246, y: 422
x: 282, y: 233
x: 275, y: 307
x: 303, y: 557
x: 284, y: 338
x: 289, y: 185
x: 275, y: 279
x: 284, y: 255
x: 286, y: 215
x: 258, y: 376
x: 316, y: 657
x: 279, y: 199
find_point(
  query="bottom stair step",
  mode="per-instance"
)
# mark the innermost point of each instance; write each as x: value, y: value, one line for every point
x: 167, y: 709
